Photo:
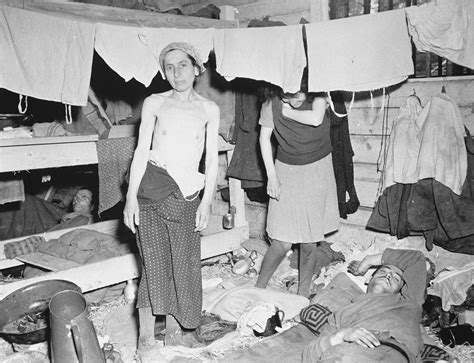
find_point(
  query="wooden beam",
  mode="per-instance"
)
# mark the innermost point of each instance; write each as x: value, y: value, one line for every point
x: 128, y: 17
x: 118, y: 269
x: 274, y: 8
x: 319, y: 10
x: 48, y: 155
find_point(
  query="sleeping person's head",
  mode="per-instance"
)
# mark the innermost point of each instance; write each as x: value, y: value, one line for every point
x: 82, y: 201
x: 386, y: 279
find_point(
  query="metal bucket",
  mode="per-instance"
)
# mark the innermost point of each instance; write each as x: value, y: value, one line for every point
x: 30, y: 300
x: 73, y: 337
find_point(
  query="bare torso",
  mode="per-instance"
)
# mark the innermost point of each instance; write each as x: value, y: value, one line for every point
x: 178, y: 139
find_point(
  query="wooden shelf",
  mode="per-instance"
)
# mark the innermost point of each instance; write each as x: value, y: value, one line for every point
x: 118, y: 269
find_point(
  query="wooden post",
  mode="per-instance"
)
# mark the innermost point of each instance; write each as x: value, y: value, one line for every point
x: 318, y: 10
x: 237, y: 197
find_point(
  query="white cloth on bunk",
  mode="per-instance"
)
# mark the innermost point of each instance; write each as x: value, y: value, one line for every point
x: 274, y: 54
x: 359, y: 53
x: 45, y: 56
x: 431, y: 146
x: 125, y: 50
x: 444, y: 27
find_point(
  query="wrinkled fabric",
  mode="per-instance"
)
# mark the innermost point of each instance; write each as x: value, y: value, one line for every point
x: 115, y: 157
x: 45, y: 56
x: 359, y: 53
x: 428, y: 145
x: 274, y: 54
x: 134, y: 52
x: 170, y: 250
x: 342, y: 155
x: 84, y: 246
x: 400, y: 314
x: 451, y: 285
x: 445, y: 28
x: 247, y: 163
x: 125, y: 50
x: 403, y: 145
x: 230, y: 304
x: 429, y: 208
x: 32, y: 216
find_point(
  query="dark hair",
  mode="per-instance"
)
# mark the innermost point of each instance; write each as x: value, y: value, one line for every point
x: 194, y: 62
x: 266, y: 91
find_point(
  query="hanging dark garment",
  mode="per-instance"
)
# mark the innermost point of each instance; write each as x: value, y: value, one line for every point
x: 429, y: 208
x: 247, y: 164
x: 342, y: 154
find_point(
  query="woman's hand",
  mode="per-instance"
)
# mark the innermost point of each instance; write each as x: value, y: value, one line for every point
x: 131, y: 213
x: 202, y: 216
x: 274, y: 187
x: 361, y: 336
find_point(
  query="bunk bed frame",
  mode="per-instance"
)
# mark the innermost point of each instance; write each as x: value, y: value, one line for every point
x: 56, y: 152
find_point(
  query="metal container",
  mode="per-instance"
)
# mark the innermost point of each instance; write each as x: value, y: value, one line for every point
x: 31, y: 299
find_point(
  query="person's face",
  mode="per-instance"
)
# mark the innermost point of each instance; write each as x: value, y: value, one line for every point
x: 295, y: 100
x: 385, y: 280
x: 179, y: 70
x: 81, y: 202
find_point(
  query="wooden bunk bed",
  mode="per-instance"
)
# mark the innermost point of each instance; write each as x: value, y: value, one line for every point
x: 65, y: 151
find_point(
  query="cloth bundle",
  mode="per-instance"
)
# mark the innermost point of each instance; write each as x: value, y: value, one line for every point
x: 23, y: 247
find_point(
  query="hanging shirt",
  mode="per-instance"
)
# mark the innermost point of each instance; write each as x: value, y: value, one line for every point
x: 433, y: 146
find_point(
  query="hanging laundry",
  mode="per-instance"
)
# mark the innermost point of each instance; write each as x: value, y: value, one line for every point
x: 275, y: 55
x: 247, y: 163
x: 115, y: 157
x: 45, y: 56
x: 125, y: 50
x: 133, y: 52
x: 445, y: 28
x: 342, y: 154
x: 429, y: 145
x: 403, y: 145
x: 359, y: 53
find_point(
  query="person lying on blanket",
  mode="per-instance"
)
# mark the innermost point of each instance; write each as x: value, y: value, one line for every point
x: 391, y: 308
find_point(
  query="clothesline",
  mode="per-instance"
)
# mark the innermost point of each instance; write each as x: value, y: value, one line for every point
x: 50, y: 58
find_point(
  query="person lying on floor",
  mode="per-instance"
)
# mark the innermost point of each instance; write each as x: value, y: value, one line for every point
x: 391, y: 308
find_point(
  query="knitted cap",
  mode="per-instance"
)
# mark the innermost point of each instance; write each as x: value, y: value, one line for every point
x: 185, y: 47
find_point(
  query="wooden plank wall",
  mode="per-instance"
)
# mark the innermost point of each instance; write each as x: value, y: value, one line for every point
x: 367, y: 126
